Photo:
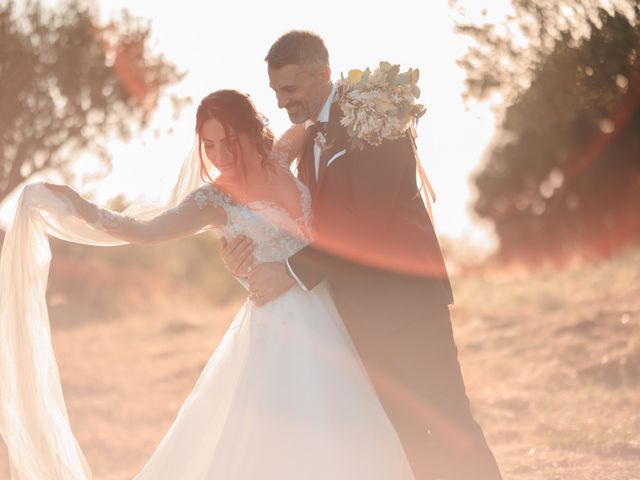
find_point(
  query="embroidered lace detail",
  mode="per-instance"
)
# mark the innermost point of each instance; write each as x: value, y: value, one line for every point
x: 203, y: 197
x: 307, y: 213
x: 109, y: 220
x: 276, y: 235
x: 280, y: 154
x: 209, y: 195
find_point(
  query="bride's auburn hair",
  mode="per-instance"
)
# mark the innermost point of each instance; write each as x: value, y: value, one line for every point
x: 236, y: 111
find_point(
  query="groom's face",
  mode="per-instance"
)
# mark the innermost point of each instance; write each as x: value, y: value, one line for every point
x: 300, y: 90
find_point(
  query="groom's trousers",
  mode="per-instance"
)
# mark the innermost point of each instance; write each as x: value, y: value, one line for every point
x: 405, y: 339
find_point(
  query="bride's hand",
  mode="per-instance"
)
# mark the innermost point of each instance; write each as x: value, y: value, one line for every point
x: 267, y: 281
x: 85, y: 209
x: 237, y: 255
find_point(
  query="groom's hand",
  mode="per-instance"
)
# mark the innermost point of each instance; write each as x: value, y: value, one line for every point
x: 267, y: 281
x: 237, y: 255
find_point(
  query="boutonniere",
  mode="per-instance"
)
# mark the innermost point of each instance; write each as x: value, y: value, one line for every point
x: 321, y: 142
x: 378, y: 105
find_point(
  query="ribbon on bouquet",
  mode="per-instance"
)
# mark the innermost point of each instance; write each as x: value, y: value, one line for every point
x: 423, y: 175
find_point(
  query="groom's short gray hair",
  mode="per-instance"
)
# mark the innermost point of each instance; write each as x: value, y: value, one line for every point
x: 298, y: 47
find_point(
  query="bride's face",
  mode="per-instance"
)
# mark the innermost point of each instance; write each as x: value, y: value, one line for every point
x: 223, y: 148
x: 300, y: 90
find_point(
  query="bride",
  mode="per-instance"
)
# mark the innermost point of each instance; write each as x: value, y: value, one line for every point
x: 283, y: 397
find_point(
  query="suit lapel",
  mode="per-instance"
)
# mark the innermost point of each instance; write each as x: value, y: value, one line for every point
x: 336, y: 139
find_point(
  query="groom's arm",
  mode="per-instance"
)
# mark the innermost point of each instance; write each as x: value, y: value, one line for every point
x: 309, y: 266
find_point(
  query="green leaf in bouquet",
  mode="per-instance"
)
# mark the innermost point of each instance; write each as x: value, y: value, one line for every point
x: 393, y: 72
x: 415, y: 90
x: 415, y: 75
x: 385, y: 66
x: 403, y: 79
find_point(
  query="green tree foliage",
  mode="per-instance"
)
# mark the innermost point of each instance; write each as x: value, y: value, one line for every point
x: 563, y: 176
x: 507, y: 54
x: 67, y: 83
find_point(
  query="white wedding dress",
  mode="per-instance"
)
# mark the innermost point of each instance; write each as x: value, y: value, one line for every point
x: 283, y: 397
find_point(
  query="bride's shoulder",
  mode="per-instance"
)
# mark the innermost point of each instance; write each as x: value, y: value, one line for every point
x: 209, y: 195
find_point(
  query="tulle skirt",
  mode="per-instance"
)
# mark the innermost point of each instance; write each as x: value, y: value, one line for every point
x: 283, y: 397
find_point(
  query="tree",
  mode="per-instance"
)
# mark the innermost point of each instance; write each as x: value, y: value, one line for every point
x: 563, y: 176
x: 67, y: 83
x: 507, y: 54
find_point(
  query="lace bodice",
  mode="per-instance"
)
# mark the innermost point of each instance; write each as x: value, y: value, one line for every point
x: 276, y: 235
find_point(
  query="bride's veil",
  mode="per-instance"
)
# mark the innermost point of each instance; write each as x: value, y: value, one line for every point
x: 33, y: 416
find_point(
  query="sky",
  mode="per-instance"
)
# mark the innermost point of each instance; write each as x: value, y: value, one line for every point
x: 223, y: 44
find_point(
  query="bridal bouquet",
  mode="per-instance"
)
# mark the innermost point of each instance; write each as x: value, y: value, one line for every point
x: 380, y: 104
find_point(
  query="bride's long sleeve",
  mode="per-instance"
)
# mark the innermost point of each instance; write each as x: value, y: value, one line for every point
x: 203, y: 208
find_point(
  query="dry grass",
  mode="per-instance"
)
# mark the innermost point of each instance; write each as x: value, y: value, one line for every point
x: 552, y: 364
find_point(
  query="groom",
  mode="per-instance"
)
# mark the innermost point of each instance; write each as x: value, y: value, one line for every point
x: 376, y: 247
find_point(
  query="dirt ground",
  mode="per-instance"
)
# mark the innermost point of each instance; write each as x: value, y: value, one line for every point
x: 551, y: 361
